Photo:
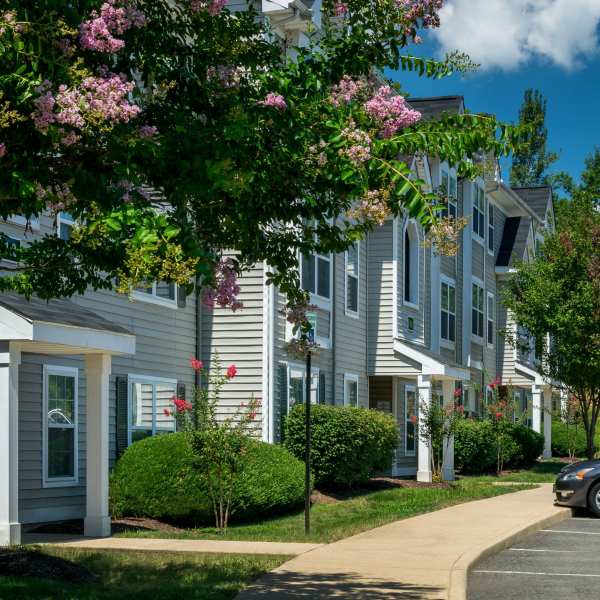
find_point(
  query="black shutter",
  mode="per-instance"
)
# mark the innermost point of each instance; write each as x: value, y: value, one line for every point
x: 181, y: 296
x: 280, y: 406
x: 322, y: 389
x: 122, y: 413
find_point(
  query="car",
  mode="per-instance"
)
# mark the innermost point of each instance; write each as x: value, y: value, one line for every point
x: 578, y: 486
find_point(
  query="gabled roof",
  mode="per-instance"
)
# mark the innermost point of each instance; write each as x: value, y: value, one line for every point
x: 435, y: 106
x: 536, y: 197
x: 514, y: 241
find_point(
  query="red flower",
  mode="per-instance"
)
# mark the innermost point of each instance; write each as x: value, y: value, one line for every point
x: 413, y: 418
x: 252, y: 415
x: 181, y: 405
x: 498, y: 415
x: 197, y: 365
x: 457, y: 393
x: 231, y: 371
x: 495, y: 383
x: 167, y: 412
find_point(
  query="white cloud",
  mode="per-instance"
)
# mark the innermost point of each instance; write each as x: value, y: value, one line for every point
x: 508, y: 33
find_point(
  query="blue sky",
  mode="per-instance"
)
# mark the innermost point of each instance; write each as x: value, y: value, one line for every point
x: 518, y: 48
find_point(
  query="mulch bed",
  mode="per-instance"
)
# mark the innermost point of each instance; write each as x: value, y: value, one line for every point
x: 32, y: 563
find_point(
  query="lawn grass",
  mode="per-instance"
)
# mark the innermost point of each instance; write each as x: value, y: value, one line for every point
x: 330, y: 522
x: 542, y: 472
x: 149, y: 575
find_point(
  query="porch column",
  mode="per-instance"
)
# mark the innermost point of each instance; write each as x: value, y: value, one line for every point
x: 536, y: 417
x: 10, y: 528
x: 424, y: 400
x: 547, y: 422
x: 97, y: 372
x: 448, y: 458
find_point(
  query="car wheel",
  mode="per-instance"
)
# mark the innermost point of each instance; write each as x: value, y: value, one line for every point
x: 594, y: 499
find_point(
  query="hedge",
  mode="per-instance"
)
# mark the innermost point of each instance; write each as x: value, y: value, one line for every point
x: 349, y: 445
x: 159, y: 477
x: 475, y: 448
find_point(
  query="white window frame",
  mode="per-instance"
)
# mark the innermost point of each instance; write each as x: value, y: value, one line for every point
x: 491, y: 228
x: 477, y: 338
x: 446, y: 343
x: 490, y: 318
x: 14, y: 239
x: 322, y: 342
x: 415, y: 269
x: 152, y: 298
x: 315, y: 373
x: 450, y: 174
x: 350, y: 378
x: 348, y: 311
x: 479, y: 214
x: 145, y: 379
x: 63, y: 219
x: 410, y: 388
x: 53, y: 482
x: 319, y: 301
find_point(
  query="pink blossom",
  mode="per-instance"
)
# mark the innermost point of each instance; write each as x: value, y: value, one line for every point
x: 457, y: 393
x: 196, y: 364
x: 214, y: 7
x: 340, y: 8
x: 2, y: 150
x: 424, y: 10
x: 358, y: 150
x: 391, y: 110
x: 147, y: 131
x: 346, y: 90
x: 231, y: 371
x: 166, y: 412
x: 275, y: 101
x: 98, y: 32
x: 226, y: 290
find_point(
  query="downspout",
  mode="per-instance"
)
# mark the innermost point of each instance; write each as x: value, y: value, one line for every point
x: 333, y: 323
x: 198, y: 320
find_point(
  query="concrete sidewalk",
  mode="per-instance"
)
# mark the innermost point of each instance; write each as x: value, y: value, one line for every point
x: 172, y: 545
x: 425, y: 557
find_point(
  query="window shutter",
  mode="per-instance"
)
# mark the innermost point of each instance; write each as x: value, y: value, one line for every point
x: 181, y: 297
x: 280, y: 407
x: 122, y: 413
x: 181, y: 390
x: 322, y: 389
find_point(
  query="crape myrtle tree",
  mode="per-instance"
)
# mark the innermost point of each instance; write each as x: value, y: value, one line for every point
x: 175, y: 131
x: 556, y: 298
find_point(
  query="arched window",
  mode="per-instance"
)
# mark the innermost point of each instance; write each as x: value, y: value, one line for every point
x: 411, y: 264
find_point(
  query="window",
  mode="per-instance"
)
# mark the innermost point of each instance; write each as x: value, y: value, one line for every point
x: 410, y: 420
x: 60, y: 426
x: 64, y: 225
x: 477, y: 311
x: 11, y: 242
x: 479, y: 212
x: 297, y: 385
x: 315, y: 274
x: 491, y: 242
x: 148, y: 399
x: 448, y: 316
x: 491, y: 314
x: 352, y: 275
x: 411, y: 265
x: 449, y: 189
x: 350, y: 390
x: 158, y: 293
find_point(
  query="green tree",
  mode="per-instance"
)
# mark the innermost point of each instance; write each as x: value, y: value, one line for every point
x: 531, y: 158
x: 556, y: 297
x: 177, y: 131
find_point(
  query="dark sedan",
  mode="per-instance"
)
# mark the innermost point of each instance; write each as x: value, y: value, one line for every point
x: 578, y: 485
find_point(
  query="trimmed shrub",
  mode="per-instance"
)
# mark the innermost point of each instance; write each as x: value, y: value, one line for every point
x: 530, y: 445
x: 349, y: 445
x: 474, y: 448
x: 160, y: 477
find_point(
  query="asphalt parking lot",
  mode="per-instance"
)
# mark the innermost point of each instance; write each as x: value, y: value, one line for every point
x: 560, y: 563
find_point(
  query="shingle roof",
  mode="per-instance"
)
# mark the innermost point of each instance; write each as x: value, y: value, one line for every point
x: 436, y: 106
x: 514, y: 241
x: 536, y: 197
x: 63, y: 312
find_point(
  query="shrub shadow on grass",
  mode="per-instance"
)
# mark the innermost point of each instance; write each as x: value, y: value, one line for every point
x: 295, y: 586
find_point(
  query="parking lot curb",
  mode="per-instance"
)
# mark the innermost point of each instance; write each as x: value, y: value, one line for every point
x: 459, y: 574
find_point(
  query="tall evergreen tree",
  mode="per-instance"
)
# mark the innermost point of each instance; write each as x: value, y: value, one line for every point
x: 531, y: 159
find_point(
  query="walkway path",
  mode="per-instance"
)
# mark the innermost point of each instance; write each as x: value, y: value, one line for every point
x: 425, y: 557
x: 164, y: 545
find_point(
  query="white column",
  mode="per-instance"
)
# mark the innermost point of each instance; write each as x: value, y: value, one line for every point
x: 448, y: 458
x: 564, y: 399
x: 10, y: 528
x: 536, y: 417
x: 547, y: 422
x: 424, y: 454
x: 97, y: 371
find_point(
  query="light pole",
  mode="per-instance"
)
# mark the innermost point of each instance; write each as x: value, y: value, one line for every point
x: 307, y: 486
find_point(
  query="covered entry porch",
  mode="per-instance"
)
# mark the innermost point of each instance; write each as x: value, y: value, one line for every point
x: 55, y: 328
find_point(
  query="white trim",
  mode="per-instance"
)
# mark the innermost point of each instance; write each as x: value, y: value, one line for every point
x: 62, y: 218
x: 267, y: 374
x: 52, y: 482
x: 353, y: 378
x: 314, y: 373
x: 152, y: 298
x: 408, y: 387
x: 409, y: 303
x: 347, y: 311
x: 319, y: 301
x: 148, y: 380
x: 487, y: 319
x: 493, y: 227
x: 445, y: 343
x: 395, y: 272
